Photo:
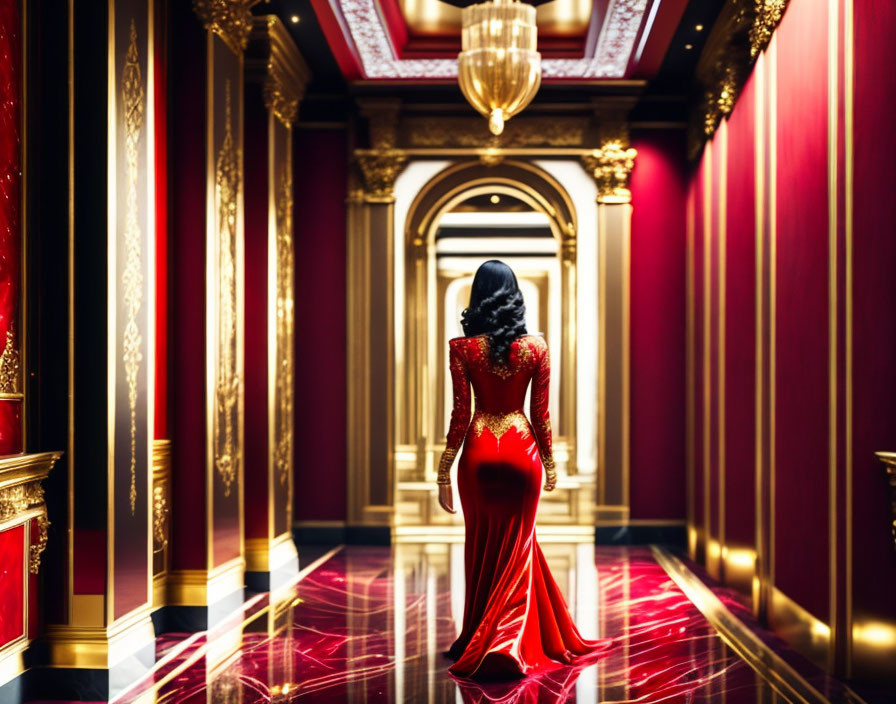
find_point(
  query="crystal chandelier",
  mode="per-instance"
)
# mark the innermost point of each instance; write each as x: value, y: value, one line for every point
x: 499, y: 70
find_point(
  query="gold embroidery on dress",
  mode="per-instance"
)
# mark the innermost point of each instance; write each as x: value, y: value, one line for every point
x: 500, y: 423
x: 523, y: 356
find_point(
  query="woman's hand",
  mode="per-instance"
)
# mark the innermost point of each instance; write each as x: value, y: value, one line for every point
x: 446, y: 498
x: 550, y: 482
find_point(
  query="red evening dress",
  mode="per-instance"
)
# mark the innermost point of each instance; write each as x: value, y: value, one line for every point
x: 515, y: 618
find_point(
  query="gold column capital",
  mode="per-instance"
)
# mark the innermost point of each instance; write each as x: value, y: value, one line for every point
x: 611, y: 167
x: 273, y: 59
x: 229, y: 19
x: 379, y: 170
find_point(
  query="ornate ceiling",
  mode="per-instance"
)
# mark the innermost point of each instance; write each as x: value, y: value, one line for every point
x: 418, y: 40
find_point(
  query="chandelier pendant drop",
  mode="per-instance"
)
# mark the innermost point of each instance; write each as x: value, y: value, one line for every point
x: 499, y: 69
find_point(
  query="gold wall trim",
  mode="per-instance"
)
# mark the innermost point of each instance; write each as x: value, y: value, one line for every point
x: 204, y: 588
x: 100, y: 647
x: 12, y: 661
x: 263, y: 555
x: 750, y: 648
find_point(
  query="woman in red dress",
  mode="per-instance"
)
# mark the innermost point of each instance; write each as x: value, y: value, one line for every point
x: 515, y: 618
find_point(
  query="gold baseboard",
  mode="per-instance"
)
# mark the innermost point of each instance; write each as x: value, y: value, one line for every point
x: 804, y: 632
x: 202, y: 588
x: 92, y: 647
x: 263, y: 554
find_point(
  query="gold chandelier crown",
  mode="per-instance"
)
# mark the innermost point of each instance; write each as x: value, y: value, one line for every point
x: 499, y: 69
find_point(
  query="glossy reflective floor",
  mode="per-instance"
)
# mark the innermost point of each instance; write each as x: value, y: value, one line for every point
x: 370, y: 624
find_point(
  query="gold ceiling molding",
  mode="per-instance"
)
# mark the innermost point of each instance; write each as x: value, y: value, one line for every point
x: 741, y: 33
x: 229, y: 19
x: 273, y: 59
x: 379, y: 169
x: 611, y: 167
x: 471, y: 132
x: 889, y: 460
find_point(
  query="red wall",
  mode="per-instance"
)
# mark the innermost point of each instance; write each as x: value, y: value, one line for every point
x: 802, y: 488
x: 658, y: 327
x: 873, y: 322
x: 321, y: 174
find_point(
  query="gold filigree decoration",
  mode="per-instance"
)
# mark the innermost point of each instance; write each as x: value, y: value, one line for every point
x: 283, y: 400
x: 9, y: 364
x: 132, y: 95
x: 379, y: 169
x: 15, y: 500
x: 767, y: 15
x: 276, y: 100
x: 611, y: 167
x: 720, y: 100
x: 447, y: 459
x: 38, y: 548
x: 229, y: 19
x: 159, y: 518
x: 227, y: 378
x: 499, y: 423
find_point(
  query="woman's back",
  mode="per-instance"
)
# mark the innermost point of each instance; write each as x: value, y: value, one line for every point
x: 500, y: 387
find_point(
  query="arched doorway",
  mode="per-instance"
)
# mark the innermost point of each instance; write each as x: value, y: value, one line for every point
x: 429, y: 294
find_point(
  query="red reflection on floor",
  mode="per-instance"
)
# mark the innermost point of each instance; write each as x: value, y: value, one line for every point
x: 370, y: 625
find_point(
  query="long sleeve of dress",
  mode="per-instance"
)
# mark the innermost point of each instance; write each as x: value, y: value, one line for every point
x: 460, y: 413
x: 538, y: 412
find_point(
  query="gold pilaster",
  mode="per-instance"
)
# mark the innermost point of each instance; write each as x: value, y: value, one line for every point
x: 611, y: 166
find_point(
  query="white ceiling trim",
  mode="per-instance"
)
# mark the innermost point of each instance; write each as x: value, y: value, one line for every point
x: 611, y: 56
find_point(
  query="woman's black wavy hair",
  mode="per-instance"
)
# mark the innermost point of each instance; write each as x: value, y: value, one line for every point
x: 496, y: 308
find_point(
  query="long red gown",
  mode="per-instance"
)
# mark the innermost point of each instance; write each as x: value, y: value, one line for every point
x: 515, y: 618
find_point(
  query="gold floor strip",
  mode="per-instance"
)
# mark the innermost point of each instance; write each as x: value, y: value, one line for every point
x: 780, y: 676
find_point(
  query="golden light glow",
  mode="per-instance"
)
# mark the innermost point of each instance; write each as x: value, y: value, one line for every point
x: 294, y: 19
x: 875, y: 633
x: 499, y: 69
x: 495, y: 199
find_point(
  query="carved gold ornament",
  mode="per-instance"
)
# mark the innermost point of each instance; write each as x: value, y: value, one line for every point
x: 9, y: 364
x: 611, y: 167
x: 159, y: 518
x: 379, y: 169
x: 19, y: 498
x: 227, y: 378
x: 768, y: 14
x: 38, y: 548
x: 499, y: 68
x: 283, y: 433
x: 132, y: 95
x: 229, y: 19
